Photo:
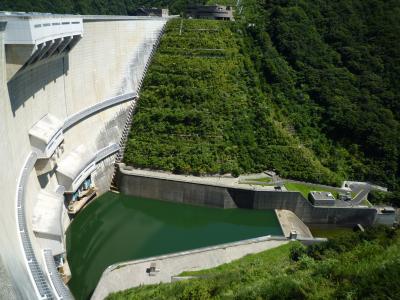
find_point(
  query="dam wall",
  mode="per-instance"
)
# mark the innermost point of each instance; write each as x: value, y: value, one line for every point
x: 106, y: 61
x: 192, y: 190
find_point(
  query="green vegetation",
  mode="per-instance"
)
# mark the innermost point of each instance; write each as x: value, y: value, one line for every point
x: 106, y: 7
x: 333, y: 70
x: 329, y: 231
x: 305, y: 189
x: 262, y: 180
x: 309, y: 89
x: 390, y: 198
x: 201, y: 110
x: 353, y: 266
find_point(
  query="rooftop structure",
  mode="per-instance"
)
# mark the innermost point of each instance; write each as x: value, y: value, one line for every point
x: 46, y: 221
x: 75, y: 168
x: 157, y: 12
x: 32, y: 37
x: 216, y: 12
x: 46, y: 135
x: 322, y: 198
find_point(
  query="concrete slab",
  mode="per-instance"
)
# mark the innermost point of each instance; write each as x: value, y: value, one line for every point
x: 289, y: 222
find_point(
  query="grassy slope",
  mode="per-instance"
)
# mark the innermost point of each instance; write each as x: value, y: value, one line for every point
x: 305, y: 189
x: 356, y: 266
x: 201, y: 110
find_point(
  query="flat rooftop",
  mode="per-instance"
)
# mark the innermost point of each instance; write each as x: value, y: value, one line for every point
x: 322, y: 196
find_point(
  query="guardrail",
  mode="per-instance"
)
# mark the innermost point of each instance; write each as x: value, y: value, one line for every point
x: 106, y: 151
x: 79, y: 116
x: 38, y: 278
x: 62, y: 292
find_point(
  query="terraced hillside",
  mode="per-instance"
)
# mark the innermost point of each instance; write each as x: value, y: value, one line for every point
x: 201, y: 110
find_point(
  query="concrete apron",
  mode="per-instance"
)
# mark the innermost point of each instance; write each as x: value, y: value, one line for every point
x: 163, y: 268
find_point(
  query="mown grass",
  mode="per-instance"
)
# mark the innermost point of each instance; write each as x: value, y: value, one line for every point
x: 305, y: 189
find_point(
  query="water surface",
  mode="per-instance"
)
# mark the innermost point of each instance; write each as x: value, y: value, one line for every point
x: 116, y: 228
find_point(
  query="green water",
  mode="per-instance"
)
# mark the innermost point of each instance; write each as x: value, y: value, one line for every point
x: 116, y: 228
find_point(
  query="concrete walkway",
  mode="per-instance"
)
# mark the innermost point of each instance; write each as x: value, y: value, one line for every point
x: 225, y: 181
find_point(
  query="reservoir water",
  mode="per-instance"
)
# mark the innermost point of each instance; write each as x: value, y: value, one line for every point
x: 116, y: 228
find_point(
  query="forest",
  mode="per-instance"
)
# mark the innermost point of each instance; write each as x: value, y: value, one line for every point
x: 93, y: 7
x: 333, y: 69
x: 323, y: 79
x: 308, y: 88
x: 201, y: 110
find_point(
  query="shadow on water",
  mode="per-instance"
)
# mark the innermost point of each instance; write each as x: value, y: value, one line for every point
x: 27, y: 83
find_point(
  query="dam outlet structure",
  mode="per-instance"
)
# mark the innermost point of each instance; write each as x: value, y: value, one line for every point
x: 68, y: 89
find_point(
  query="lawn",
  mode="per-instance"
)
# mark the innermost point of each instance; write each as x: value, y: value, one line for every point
x: 305, y: 189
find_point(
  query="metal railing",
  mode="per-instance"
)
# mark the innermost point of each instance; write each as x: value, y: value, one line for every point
x: 36, y: 274
x: 56, y: 281
x: 106, y: 151
x: 79, y: 116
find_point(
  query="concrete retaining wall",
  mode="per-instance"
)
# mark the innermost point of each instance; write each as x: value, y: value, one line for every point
x: 164, y: 188
x: 132, y: 274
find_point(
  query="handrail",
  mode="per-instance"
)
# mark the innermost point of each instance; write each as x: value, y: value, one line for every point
x: 36, y: 275
x: 57, y: 283
x: 106, y: 151
x: 79, y: 116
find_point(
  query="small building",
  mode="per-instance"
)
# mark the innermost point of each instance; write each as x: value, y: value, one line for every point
x: 152, y: 12
x: 321, y: 198
x: 215, y: 12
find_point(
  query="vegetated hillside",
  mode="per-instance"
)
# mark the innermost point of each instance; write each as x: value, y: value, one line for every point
x: 104, y: 7
x: 201, y: 110
x: 327, y: 74
x: 330, y: 71
x: 354, y: 266
x: 333, y: 68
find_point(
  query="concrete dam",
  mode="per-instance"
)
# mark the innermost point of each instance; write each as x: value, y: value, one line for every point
x: 68, y: 87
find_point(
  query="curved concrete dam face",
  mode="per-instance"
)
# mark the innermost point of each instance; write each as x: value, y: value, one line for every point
x: 117, y: 228
x: 67, y: 87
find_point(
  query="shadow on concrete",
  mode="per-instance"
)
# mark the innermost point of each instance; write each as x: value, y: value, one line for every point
x: 242, y: 198
x: 26, y: 83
